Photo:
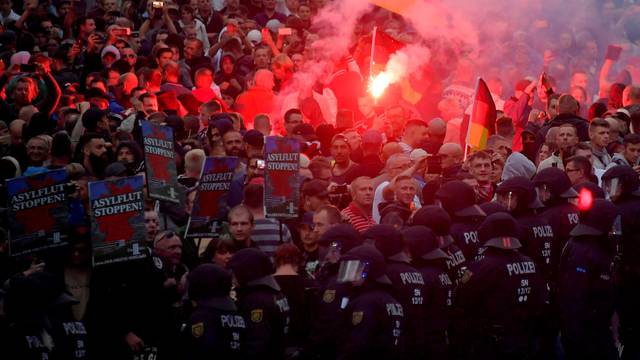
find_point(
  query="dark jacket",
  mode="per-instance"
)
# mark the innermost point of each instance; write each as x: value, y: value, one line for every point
x: 374, y: 324
x: 582, y: 126
x: 500, y: 303
x: 586, y: 298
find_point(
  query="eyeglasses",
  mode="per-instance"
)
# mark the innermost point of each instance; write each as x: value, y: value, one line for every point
x: 571, y: 170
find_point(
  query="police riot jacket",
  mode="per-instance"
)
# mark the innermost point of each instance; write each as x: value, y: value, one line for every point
x: 438, y: 294
x: 374, y: 323
x: 585, y: 288
x: 214, y: 330
x: 537, y: 241
x: 267, y: 313
x: 502, y: 296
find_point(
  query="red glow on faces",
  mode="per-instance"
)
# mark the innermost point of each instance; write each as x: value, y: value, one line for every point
x: 585, y: 200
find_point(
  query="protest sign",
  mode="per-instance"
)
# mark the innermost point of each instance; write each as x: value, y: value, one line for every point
x: 117, y: 220
x: 160, y: 162
x: 281, y: 189
x: 210, y: 204
x: 38, y: 212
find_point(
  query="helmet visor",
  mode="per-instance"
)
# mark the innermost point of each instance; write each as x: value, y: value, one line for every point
x: 352, y: 270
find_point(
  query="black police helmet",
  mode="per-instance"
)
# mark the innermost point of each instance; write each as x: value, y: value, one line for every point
x: 557, y: 181
x: 343, y: 234
x: 252, y: 267
x: 597, y: 220
x: 500, y: 230
x: 492, y: 207
x: 524, y: 188
x: 209, y: 285
x: 423, y: 243
x: 436, y: 219
x: 628, y: 178
x: 388, y: 241
x: 370, y: 255
x: 459, y: 199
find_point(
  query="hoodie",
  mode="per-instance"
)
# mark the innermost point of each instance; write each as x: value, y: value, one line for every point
x: 518, y: 165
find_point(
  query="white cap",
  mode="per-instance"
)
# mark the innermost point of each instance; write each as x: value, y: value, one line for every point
x: 273, y: 25
x: 20, y: 58
x: 110, y: 49
x: 417, y: 154
x: 254, y: 37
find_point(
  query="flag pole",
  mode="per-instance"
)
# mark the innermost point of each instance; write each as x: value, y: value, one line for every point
x: 473, y: 106
x: 373, y: 47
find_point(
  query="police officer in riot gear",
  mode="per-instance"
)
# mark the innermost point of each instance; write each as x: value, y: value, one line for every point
x: 408, y: 285
x: 501, y: 299
x: 215, y: 326
x: 41, y: 325
x: 518, y: 196
x: 329, y: 310
x: 374, y: 320
x: 555, y: 192
x: 623, y: 189
x: 261, y: 303
x: 585, y: 286
x: 439, y: 221
x: 430, y: 261
x: 459, y: 200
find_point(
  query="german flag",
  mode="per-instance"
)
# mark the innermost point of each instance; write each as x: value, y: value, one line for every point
x: 481, y: 123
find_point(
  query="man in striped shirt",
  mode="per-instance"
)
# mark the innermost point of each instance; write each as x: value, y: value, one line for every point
x: 358, y: 213
x: 267, y: 233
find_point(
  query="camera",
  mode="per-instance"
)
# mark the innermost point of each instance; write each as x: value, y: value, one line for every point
x: 27, y: 68
x: 260, y: 164
x: 157, y: 9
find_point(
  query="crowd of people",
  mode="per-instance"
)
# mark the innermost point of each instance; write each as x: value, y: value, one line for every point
x: 407, y: 243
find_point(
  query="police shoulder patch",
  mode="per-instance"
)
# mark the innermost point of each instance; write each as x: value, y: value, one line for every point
x: 197, y: 329
x: 329, y: 296
x: 356, y: 317
x: 256, y: 315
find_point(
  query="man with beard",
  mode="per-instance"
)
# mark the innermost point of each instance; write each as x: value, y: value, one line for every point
x: 94, y: 154
x: 233, y: 143
x: 358, y: 213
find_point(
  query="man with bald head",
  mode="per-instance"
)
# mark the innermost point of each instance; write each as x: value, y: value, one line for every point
x: 259, y: 98
x: 436, y: 131
x: 451, y: 157
x: 568, y: 108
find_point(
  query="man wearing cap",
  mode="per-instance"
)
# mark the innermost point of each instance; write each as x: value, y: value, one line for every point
x: 342, y: 164
x: 555, y: 192
x: 315, y: 195
x: 374, y: 320
x: 458, y: 199
x: 215, y: 326
x: 500, y: 300
x: 261, y: 304
x: 585, y: 285
x: 431, y: 263
x: 308, y: 244
x: 328, y: 315
x: 358, y: 213
x: 407, y: 282
x: 623, y: 189
x: 254, y: 143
